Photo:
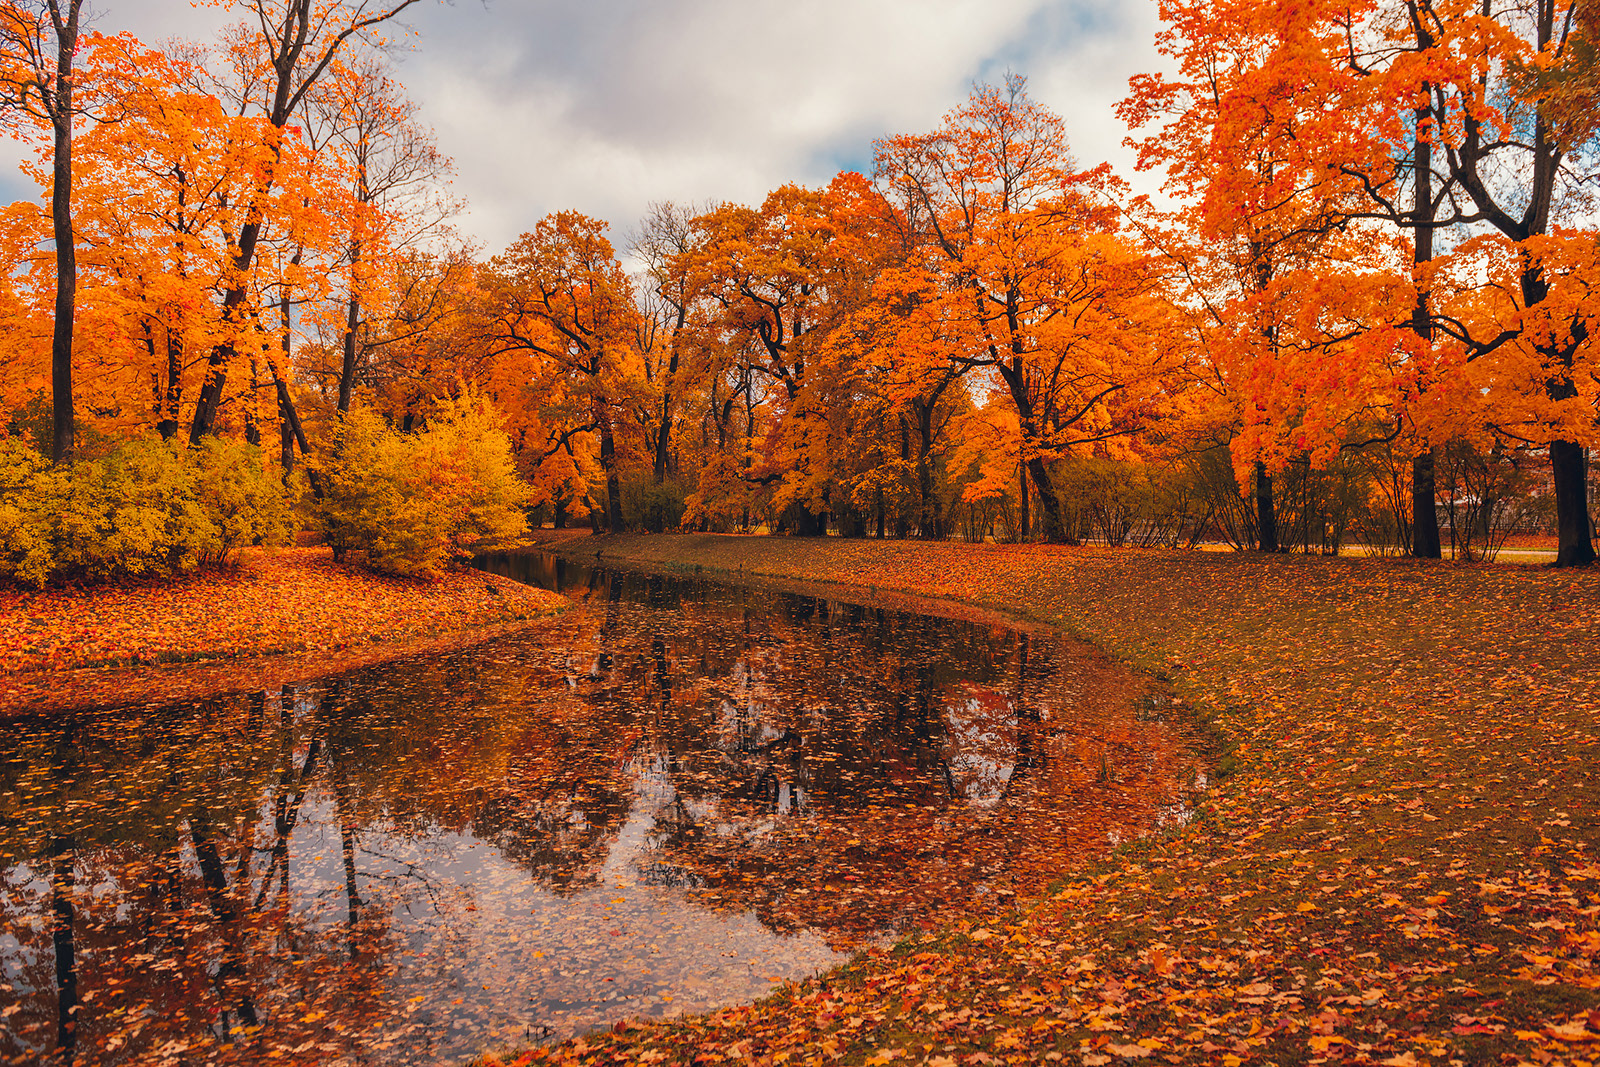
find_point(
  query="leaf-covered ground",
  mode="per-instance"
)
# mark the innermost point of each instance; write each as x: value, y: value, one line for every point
x: 86, y: 644
x: 1398, y: 865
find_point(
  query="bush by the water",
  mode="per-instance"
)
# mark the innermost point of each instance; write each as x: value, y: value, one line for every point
x: 413, y: 502
x: 148, y: 507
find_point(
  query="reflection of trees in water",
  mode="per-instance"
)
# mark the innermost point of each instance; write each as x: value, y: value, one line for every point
x: 841, y: 766
x: 235, y: 875
x: 148, y: 863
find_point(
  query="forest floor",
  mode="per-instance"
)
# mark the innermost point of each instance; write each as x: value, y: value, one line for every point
x: 274, y: 616
x: 1399, y: 861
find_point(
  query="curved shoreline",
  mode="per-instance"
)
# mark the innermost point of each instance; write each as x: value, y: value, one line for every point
x: 352, y: 618
x: 1397, y: 865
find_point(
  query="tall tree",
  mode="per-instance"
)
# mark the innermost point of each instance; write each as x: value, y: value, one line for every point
x: 559, y: 295
x: 38, y: 50
x: 664, y: 242
x: 394, y: 173
x: 1065, y: 305
x: 298, y: 42
x: 1296, y: 288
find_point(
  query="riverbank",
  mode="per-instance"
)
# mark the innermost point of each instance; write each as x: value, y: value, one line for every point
x: 275, y: 616
x: 1398, y: 865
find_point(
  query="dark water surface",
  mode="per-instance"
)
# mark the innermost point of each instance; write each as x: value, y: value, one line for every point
x: 666, y: 799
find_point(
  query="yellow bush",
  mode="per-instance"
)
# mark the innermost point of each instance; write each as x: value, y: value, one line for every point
x: 414, y: 502
x: 148, y: 507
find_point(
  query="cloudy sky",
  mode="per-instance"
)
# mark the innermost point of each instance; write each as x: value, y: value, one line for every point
x: 607, y: 105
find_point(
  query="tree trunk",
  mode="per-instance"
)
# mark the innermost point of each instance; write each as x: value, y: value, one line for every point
x: 172, y: 396
x: 1023, y: 531
x: 1574, y: 547
x: 927, y: 523
x: 233, y: 308
x: 657, y: 519
x: 1266, y: 511
x: 1014, y: 374
x: 608, y: 462
x: 64, y: 426
x: 352, y: 319
x: 1424, y: 511
x: 1050, y: 526
x: 1424, y: 508
x: 285, y: 444
x: 801, y: 521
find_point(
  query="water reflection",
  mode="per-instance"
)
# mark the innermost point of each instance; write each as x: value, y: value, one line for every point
x: 663, y: 800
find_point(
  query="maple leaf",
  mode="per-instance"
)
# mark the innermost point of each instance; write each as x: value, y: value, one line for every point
x: 1130, y: 1052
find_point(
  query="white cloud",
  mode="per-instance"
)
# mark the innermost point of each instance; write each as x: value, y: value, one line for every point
x: 606, y: 105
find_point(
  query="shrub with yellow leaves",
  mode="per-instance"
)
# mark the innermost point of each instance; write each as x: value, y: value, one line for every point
x: 148, y: 507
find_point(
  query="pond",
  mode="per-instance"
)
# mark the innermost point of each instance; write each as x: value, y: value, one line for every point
x: 666, y: 799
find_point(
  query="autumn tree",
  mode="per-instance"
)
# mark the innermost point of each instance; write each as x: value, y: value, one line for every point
x: 1442, y: 118
x: 394, y: 172
x: 673, y: 317
x: 161, y: 189
x: 298, y: 42
x: 1293, y: 291
x: 766, y: 270
x: 1033, y: 253
x: 38, y: 50
x: 558, y: 297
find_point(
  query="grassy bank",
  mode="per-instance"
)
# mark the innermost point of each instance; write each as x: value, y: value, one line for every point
x: 276, y: 615
x: 1398, y: 865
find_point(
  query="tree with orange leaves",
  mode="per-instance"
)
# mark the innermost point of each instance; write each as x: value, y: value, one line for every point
x: 1062, y: 305
x: 1424, y: 118
x: 1291, y: 292
x: 558, y: 297
x: 297, y: 43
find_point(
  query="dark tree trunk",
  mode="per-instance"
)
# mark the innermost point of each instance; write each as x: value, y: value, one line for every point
x: 1023, y: 530
x: 1266, y: 511
x: 1424, y: 508
x: 656, y: 520
x: 1574, y: 546
x: 233, y: 311
x: 608, y: 462
x: 801, y: 521
x: 1050, y: 526
x: 64, y: 425
x: 172, y: 396
x: 352, y: 319
x: 927, y: 520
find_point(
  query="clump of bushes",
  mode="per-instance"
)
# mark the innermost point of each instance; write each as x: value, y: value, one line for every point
x: 147, y: 507
x: 412, y: 502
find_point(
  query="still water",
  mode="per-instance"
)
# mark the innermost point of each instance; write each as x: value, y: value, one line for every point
x: 668, y: 798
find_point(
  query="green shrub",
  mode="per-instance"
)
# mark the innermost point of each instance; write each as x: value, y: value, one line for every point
x: 413, y: 502
x: 146, y: 508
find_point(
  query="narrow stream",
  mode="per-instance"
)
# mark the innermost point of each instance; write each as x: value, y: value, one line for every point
x: 666, y: 799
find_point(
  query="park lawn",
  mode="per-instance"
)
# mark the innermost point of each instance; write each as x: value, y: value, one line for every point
x: 112, y: 642
x: 1397, y: 865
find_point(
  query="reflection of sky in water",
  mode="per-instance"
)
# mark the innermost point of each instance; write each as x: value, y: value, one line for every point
x: 981, y: 742
x: 519, y: 957
x: 664, y: 801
